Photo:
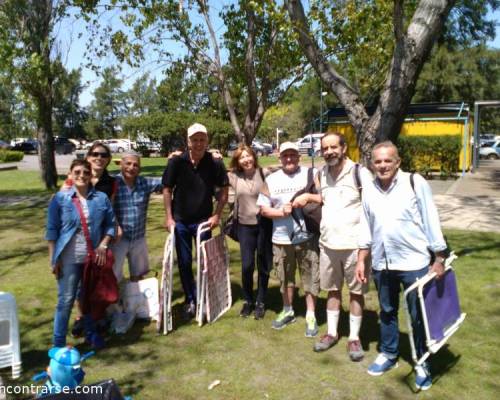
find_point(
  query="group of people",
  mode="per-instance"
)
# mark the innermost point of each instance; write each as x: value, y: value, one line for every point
x: 379, y: 221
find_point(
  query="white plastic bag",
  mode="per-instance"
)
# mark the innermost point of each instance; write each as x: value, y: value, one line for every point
x: 142, y: 298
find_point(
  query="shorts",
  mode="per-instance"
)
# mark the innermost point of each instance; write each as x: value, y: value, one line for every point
x: 335, y: 266
x: 136, y: 252
x: 287, y: 257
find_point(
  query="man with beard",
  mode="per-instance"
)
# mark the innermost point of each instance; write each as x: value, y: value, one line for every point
x: 339, y: 186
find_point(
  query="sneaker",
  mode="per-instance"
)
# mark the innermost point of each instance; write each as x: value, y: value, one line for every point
x: 260, y: 311
x: 189, y: 311
x: 246, y: 310
x: 355, y: 350
x: 325, y: 342
x: 284, y: 318
x: 311, y: 327
x: 95, y: 341
x: 423, y: 378
x: 382, y: 364
x: 78, y: 328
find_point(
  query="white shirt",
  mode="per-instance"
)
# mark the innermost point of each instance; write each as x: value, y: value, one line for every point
x: 341, y: 211
x: 282, y: 187
x: 400, y: 225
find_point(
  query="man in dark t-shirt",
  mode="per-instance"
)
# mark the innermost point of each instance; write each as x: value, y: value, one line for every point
x: 189, y: 184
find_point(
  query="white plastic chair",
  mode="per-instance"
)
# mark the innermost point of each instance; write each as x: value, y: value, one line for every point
x: 10, y: 352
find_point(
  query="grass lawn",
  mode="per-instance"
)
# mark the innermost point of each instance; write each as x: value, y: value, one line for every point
x: 251, y: 360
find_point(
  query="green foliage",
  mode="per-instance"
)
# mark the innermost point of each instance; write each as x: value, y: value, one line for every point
x: 358, y: 36
x: 68, y: 115
x: 424, y: 154
x: 171, y: 128
x: 468, y: 75
x: 10, y: 156
x: 108, y: 107
x: 142, y: 97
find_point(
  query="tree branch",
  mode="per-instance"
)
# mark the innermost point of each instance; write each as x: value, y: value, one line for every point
x: 338, y: 84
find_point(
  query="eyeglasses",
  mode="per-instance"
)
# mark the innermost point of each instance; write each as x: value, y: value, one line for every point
x: 78, y: 172
x: 99, y: 154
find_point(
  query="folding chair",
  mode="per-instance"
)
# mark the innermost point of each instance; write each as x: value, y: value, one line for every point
x: 439, y: 307
x: 164, y: 323
x: 10, y: 351
x: 200, y: 272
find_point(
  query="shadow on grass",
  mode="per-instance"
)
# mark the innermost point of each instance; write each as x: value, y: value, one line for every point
x: 439, y: 365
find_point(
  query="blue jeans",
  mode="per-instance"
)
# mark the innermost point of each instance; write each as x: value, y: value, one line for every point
x: 67, y: 288
x: 184, y: 235
x: 388, y: 283
x: 253, y: 240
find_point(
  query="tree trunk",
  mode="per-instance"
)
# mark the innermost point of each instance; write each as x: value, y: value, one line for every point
x: 410, y: 53
x: 46, y: 156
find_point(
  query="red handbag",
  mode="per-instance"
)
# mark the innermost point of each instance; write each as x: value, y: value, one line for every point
x: 99, y: 284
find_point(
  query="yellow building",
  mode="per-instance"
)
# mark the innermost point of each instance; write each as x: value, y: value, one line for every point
x: 427, y: 119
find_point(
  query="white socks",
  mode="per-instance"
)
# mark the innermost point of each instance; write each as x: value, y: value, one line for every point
x: 287, y: 308
x: 310, y: 314
x: 332, y: 319
x: 354, y: 326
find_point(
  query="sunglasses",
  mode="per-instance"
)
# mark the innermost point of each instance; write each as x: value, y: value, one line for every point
x: 99, y: 154
x: 78, y: 172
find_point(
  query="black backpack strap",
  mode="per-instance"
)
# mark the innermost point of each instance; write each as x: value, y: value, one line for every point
x: 262, y: 175
x: 357, y: 179
x: 310, y: 177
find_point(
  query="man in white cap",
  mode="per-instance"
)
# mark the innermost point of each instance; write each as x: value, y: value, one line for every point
x: 293, y: 246
x: 189, y: 183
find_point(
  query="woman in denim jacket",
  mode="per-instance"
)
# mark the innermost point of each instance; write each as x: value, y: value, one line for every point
x: 68, y: 247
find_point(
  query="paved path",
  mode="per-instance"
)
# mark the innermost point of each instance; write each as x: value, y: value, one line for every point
x: 473, y: 202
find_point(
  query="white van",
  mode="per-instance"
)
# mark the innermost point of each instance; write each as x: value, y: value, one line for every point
x: 310, y: 144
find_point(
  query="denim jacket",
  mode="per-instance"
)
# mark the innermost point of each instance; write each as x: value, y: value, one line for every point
x: 63, y: 219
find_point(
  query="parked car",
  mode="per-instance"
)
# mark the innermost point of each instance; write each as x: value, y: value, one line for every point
x: 15, y: 141
x: 4, y: 145
x: 119, y: 145
x: 261, y: 149
x: 310, y: 144
x: 147, y: 148
x: 63, y: 145
x: 491, y: 152
x: 29, y: 146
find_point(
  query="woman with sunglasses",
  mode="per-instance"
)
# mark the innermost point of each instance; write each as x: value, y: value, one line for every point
x: 99, y: 157
x: 68, y: 246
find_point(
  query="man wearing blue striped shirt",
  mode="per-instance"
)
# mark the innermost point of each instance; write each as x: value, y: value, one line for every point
x: 131, y: 208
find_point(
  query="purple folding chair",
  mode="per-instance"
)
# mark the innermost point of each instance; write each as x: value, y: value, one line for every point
x: 440, y: 309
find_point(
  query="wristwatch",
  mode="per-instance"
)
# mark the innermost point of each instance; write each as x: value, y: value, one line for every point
x: 440, y: 260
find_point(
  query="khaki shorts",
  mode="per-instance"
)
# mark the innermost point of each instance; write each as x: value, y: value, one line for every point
x: 335, y: 266
x: 136, y: 252
x: 288, y: 257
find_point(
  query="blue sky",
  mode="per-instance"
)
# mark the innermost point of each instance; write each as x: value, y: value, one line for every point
x: 72, y: 49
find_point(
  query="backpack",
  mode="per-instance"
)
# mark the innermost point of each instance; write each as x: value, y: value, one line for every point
x: 311, y: 211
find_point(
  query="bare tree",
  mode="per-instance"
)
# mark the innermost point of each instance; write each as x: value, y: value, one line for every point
x: 412, y: 47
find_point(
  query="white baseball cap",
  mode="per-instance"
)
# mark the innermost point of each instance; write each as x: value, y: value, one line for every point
x: 197, y: 128
x: 288, y: 146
